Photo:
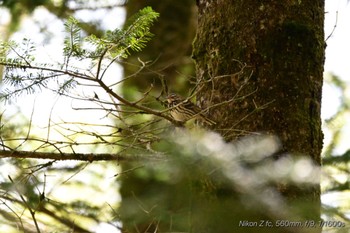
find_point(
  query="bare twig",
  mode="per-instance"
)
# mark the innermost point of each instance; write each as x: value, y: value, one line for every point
x: 31, y: 211
x: 334, y: 27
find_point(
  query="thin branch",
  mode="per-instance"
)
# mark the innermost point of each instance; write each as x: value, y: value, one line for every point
x: 135, y: 105
x: 65, y: 221
x: 31, y: 211
x: 90, y: 157
x: 44, y: 68
x: 99, y: 64
x: 29, y: 126
x: 334, y: 27
x: 13, y: 211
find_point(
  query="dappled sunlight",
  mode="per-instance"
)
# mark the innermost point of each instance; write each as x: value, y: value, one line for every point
x: 249, y: 163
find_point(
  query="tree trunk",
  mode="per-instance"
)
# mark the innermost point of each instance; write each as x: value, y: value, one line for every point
x: 168, y: 53
x: 265, y: 59
x: 169, y: 57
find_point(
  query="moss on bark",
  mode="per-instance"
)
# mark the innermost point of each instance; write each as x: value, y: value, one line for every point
x: 281, y: 44
x: 268, y: 57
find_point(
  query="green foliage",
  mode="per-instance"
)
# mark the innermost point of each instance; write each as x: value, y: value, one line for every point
x: 25, y: 198
x: 73, y: 40
x: 15, y: 54
x: 138, y: 28
x: 116, y: 43
x: 336, y: 166
x: 24, y: 75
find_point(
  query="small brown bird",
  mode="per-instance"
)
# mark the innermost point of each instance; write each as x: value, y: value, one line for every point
x: 183, y: 110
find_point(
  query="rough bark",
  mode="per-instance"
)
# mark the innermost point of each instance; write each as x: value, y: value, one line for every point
x: 268, y: 57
